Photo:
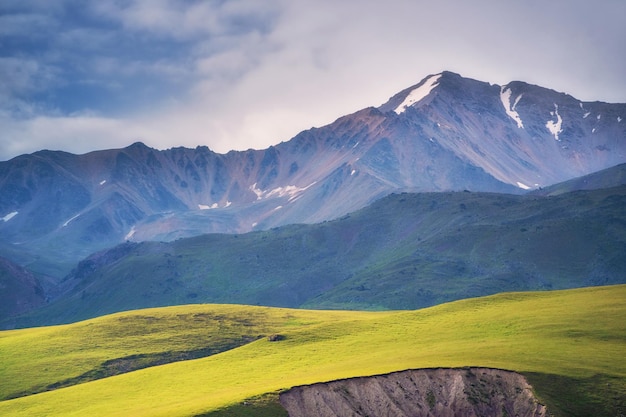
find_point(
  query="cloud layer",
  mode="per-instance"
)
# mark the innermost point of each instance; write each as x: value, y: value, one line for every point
x: 237, y: 74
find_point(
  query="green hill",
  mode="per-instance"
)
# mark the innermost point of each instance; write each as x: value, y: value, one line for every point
x: 606, y: 178
x: 570, y: 344
x: 405, y: 251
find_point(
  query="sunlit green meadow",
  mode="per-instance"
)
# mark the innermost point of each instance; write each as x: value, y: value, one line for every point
x: 573, y: 334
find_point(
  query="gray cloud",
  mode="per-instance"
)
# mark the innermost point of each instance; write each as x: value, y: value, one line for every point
x: 188, y: 19
x: 243, y: 73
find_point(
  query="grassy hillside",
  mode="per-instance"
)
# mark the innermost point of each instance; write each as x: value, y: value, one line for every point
x: 607, y: 178
x: 406, y: 251
x: 46, y: 358
x: 576, y: 338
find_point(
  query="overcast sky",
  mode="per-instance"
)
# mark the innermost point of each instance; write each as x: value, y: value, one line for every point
x: 81, y: 75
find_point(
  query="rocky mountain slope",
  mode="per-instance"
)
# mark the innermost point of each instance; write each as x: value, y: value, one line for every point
x: 445, y: 133
x: 20, y: 290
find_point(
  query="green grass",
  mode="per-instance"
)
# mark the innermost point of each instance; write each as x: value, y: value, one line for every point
x: 40, y: 359
x: 265, y: 405
x: 574, y: 337
x: 597, y: 395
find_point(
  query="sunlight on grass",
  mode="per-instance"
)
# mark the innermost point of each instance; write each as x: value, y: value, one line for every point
x: 575, y: 333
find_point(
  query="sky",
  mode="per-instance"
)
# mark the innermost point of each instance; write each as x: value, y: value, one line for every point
x: 85, y: 75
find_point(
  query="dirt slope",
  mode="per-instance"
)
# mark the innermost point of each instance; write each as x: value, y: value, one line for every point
x: 426, y: 392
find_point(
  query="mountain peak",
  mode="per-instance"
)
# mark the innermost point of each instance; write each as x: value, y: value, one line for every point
x: 417, y: 93
x: 422, y: 90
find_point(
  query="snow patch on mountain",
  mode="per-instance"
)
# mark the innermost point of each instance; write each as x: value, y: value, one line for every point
x: 523, y: 186
x: 586, y: 113
x: 205, y: 207
x: 130, y: 234
x: 505, y: 97
x: 291, y: 191
x: 103, y: 182
x: 419, y: 93
x: 213, y: 206
x: 257, y: 191
x: 70, y: 220
x: 555, y: 126
x: 9, y: 216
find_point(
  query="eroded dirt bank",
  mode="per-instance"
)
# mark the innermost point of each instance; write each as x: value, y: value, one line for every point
x: 424, y: 392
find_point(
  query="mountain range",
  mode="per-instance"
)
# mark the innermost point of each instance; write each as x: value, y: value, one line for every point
x: 404, y: 251
x: 444, y: 135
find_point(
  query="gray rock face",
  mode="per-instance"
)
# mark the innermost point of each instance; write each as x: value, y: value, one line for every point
x: 464, y: 392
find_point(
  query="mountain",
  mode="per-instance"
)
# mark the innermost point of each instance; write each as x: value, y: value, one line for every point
x: 404, y: 251
x: 445, y: 133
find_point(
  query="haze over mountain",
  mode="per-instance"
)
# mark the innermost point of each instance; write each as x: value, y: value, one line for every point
x: 21, y: 290
x: 444, y: 133
x: 404, y: 251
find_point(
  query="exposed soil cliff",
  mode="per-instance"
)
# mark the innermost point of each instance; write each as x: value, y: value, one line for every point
x: 425, y: 392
